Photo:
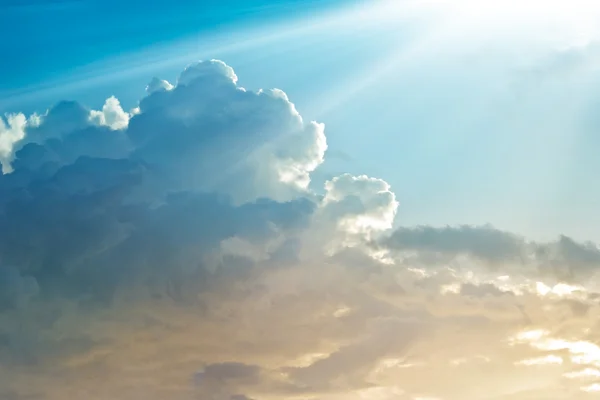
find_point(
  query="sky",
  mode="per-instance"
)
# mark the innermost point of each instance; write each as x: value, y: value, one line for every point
x: 312, y: 200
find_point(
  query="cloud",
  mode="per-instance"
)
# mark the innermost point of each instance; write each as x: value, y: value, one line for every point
x: 157, y: 85
x: 565, y: 259
x: 11, y: 131
x: 112, y: 115
x: 218, y: 380
x: 182, y: 252
x: 210, y: 134
x: 485, y: 243
x: 66, y: 131
x: 362, y: 203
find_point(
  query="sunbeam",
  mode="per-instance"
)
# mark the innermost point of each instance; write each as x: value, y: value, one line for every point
x: 165, y: 56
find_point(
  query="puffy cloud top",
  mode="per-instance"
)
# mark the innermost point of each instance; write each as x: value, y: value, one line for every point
x: 366, y: 204
x: 213, y: 72
x: 157, y: 85
x: 112, y: 115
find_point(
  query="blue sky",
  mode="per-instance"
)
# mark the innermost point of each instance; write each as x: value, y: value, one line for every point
x: 46, y: 29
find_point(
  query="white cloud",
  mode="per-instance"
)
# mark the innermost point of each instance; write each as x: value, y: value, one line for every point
x: 362, y: 204
x: 210, y: 70
x: 587, y: 373
x: 11, y: 131
x: 593, y: 388
x: 112, y: 115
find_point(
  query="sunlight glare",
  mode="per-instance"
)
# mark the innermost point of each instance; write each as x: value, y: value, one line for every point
x: 575, y: 21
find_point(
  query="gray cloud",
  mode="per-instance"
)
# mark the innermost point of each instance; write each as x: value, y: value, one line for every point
x: 485, y: 242
x: 564, y: 258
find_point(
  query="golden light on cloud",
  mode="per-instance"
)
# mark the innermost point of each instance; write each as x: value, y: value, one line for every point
x: 546, y: 360
x: 587, y: 373
x: 594, y: 388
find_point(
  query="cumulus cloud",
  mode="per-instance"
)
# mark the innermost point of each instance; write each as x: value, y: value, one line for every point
x: 362, y: 203
x: 112, y: 115
x: 11, y: 131
x: 180, y: 251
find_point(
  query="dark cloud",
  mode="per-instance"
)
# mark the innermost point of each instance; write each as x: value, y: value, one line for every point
x: 228, y: 371
x: 485, y: 243
x: 564, y: 258
x: 568, y: 258
x: 482, y: 290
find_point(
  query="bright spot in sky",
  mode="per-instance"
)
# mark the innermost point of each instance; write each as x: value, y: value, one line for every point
x: 534, y: 9
x: 559, y: 290
x: 574, y: 21
x: 530, y: 336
